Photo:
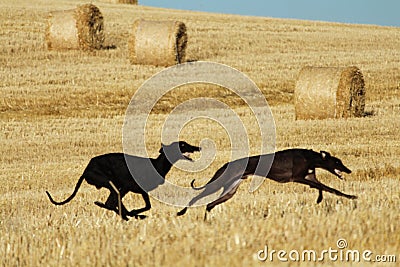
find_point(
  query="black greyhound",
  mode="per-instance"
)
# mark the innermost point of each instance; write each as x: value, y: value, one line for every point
x: 120, y: 173
x: 292, y: 165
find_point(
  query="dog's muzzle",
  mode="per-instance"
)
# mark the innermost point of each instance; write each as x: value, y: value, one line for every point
x: 339, y: 173
x: 187, y: 156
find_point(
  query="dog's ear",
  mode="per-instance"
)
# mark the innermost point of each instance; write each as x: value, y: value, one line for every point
x: 161, y: 149
x: 325, y: 155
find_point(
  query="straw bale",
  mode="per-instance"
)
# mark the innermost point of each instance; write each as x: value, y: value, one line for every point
x: 159, y: 43
x: 328, y: 92
x: 79, y: 28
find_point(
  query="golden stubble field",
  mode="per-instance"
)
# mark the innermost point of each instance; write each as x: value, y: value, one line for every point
x: 59, y: 109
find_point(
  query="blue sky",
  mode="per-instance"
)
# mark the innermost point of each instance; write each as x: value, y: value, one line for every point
x: 379, y: 12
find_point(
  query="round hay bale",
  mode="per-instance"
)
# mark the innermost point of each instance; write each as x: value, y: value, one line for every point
x: 327, y: 92
x: 159, y: 43
x: 79, y: 28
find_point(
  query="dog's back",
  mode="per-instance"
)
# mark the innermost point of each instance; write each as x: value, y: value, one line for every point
x: 113, y: 167
x: 291, y: 163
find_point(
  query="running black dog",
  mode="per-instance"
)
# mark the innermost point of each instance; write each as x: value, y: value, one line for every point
x: 120, y: 173
x: 292, y: 165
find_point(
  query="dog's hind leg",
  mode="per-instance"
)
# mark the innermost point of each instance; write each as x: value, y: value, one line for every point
x: 209, y: 189
x: 226, y: 195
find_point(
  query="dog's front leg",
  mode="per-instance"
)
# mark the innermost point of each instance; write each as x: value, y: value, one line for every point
x: 135, y: 213
x: 112, y: 203
x: 320, y: 197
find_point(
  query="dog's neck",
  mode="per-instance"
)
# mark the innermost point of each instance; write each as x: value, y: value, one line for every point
x: 315, y: 161
x: 163, y: 164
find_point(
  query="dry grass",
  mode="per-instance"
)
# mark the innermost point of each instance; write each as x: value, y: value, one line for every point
x: 60, y: 108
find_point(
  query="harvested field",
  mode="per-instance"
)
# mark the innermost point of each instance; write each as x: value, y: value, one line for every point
x: 60, y: 108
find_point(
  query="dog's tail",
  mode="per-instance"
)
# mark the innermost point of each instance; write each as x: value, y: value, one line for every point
x: 197, y: 188
x: 70, y: 197
x: 183, y: 211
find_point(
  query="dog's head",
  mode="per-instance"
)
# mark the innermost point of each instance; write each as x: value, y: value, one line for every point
x: 179, y: 150
x: 333, y: 164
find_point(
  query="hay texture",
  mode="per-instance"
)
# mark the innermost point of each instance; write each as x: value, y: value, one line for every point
x: 81, y: 28
x: 325, y: 92
x: 159, y: 43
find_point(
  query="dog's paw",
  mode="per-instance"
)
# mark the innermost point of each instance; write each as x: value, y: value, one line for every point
x: 98, y: 203
x: 182, y: 212
x: 139, y: 216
